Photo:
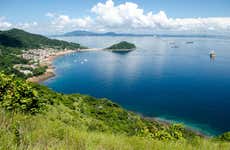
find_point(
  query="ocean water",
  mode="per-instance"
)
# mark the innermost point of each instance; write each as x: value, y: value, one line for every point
x: 157, y: 80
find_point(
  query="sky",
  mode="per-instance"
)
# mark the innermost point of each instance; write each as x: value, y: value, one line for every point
x: 132, y: 16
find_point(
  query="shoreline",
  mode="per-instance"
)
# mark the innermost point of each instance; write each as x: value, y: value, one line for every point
x: 50, y: 71
x: 168, y: 122
x: 188, y: 127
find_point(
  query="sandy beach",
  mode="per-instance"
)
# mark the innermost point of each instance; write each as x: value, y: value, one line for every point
x: 50, y: 72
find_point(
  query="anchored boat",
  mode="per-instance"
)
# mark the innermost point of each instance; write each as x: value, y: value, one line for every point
x: 212, y: 53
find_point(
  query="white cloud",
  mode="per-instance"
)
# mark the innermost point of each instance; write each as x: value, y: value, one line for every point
x: 125, y: 17
x: 49, y: 14
x: 130, y: 16
x: 64, y: 22
x: 26, y: 25
x: 4, y: 24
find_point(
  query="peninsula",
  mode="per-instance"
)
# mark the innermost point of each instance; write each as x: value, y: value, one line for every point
x: 30, y: 55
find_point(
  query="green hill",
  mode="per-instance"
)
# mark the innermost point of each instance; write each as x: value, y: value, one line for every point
x: 13, y: 41
x: 122, y: 46
x: 21, y: 39
x: 34, y: 117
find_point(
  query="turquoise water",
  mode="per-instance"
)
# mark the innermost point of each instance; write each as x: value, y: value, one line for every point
x: 177, y: 84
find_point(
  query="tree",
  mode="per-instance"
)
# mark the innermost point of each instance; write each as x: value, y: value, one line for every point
x: 18, y: 95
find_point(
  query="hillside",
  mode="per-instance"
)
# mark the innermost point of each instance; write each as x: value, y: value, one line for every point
x: 14, y: 41
x: 34, y: 117
x: 21, y: 39
x: 122, y: 46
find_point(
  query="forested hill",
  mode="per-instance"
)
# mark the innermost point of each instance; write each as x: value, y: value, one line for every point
x: 21, y: 39
x: 13, y: 41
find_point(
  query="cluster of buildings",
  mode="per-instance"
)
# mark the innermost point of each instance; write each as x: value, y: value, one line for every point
x: 25, y: 69
x: 35, y: 57
x: 38, y: 55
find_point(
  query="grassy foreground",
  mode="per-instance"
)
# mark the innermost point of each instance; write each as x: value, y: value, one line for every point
x: 34, y: 117
x: 49, y: 132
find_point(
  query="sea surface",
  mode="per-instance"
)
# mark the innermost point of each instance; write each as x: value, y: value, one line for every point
x: 166, y: 78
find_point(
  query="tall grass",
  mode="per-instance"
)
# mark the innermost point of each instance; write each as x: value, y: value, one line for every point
x: 20, y: 131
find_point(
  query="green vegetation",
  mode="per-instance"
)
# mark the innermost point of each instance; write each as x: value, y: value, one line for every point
x: 34, y: 117
x: 21, y: 39
x: 13, y: 41
x: 8, y: 58
x: 17, y: 95
x: 224, y: 137
x: 122, y: 46
x: 39, y: 71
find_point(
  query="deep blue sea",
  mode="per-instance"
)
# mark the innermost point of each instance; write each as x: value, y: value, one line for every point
x: 157, y: 80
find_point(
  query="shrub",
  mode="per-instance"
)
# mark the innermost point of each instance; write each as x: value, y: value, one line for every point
x: 18, y: 95
x: 225, y: 137
x: 176, y: 131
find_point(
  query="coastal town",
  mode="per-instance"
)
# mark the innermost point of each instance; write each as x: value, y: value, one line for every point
x: 39, y: 66
x: 39, y: 59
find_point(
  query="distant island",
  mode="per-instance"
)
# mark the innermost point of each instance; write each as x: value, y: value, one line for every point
x: 122, y: 46
x: 89, y: 33
x: 114, y: 34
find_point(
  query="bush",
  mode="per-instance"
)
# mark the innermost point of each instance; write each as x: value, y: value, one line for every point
x: 18, y: 95
x: 39, y: 71
x: 225, y: 137
x: 176, y: 131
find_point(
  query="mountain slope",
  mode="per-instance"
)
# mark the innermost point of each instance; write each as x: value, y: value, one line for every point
x: 22, y: 39
x: 13, y: 41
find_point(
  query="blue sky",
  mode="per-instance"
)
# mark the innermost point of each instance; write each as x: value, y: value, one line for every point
x: 17, y: 12
x: 18, y: 9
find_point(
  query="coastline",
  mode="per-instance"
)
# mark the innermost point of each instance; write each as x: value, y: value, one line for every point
x: 197, y: 131
x: 50, y: 71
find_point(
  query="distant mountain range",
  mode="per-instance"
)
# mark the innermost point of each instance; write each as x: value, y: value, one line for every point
x: 89, y: 33
x: 18, y: 38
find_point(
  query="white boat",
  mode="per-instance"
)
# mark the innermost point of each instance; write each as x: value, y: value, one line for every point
x: 212, y: 53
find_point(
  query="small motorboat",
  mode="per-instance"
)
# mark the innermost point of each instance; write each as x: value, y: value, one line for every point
x: 172, y: 43
x: 212, y: 53
x: 175, y: 46
x: 189, y: 42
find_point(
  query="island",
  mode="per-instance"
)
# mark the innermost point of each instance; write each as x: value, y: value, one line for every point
x: 122, y: 47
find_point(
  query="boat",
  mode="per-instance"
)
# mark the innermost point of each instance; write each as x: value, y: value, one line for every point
x: 172, y: 43
x: 175, y: 46
x: 189, y: 42
x: 212, y: 53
